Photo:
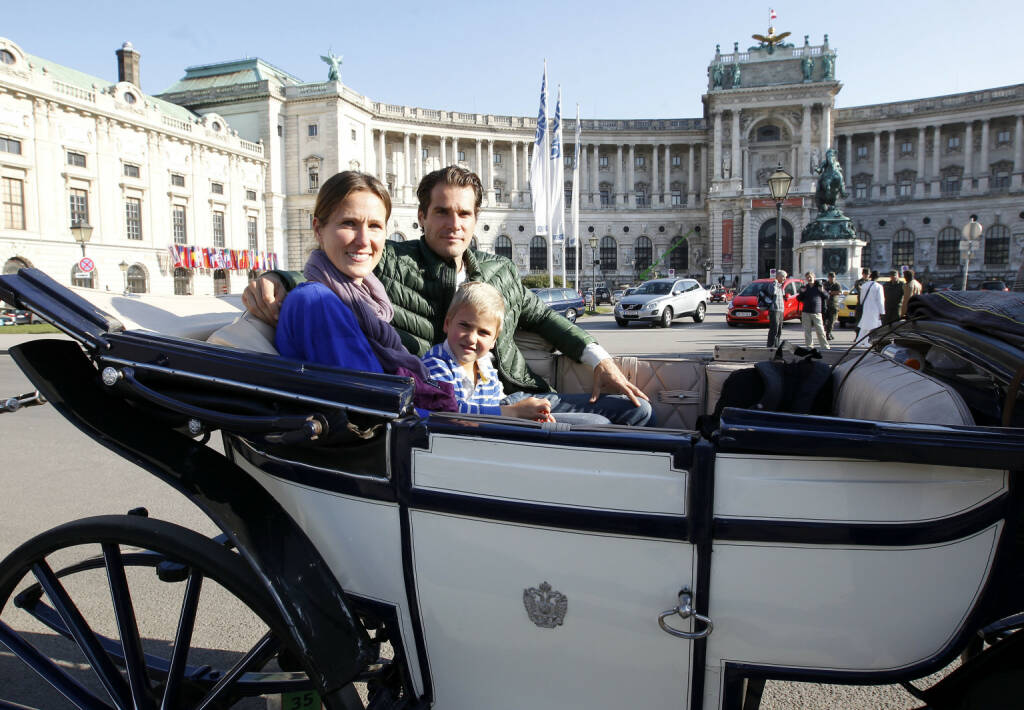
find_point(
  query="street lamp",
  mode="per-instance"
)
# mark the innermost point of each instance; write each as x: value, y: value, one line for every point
x: 779, y: 183
x: 593, y: 269
x: 82, y: 232
x: 972, y: 233
x: 708, y: 266
x: 124, y: 270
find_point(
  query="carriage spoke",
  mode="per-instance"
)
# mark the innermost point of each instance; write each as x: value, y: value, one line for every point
x: 256, y: 658
x: 101, y: 664
x: 127, y: 627
x: 49, y: 671
x: 182, y: 640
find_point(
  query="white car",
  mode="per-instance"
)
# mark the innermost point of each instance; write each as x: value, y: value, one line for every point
x: 660, y: 301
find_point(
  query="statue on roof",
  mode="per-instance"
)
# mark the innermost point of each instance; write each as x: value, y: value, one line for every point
x: 334, y: 73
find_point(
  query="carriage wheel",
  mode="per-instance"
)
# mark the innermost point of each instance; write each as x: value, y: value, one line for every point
x: 162, y: 617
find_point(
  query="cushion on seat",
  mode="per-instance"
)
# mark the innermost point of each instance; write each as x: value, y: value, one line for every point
x: 246, y: 333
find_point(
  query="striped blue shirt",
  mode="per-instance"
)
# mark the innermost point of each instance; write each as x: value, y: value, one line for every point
x: 479, y: 395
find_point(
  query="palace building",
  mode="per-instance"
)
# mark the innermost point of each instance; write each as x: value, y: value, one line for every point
x: 688, y: 194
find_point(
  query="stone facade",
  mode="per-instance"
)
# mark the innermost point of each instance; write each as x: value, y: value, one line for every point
x: 144, y: 173
x: 688, y: 194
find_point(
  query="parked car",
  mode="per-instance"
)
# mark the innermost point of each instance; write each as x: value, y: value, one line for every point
x: 603, y: 295
x: 660, y: 301
x: 7, y: 317
x: 617, y: 296
x: 718, y: 294
x: 992, y: 286
x: 847, y: 313
x: 744, y: 309
x: 564, y: 301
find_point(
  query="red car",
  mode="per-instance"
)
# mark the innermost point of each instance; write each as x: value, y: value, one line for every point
x: 744, y: 308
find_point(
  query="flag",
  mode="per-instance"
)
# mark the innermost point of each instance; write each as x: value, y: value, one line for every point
x: 556, y: 190
x: 175, y: 256
x: 540, y: 163
x: 772, y: 15
x: 574, y: 238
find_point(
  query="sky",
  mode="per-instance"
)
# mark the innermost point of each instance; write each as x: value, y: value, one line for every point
x: 640, y: 59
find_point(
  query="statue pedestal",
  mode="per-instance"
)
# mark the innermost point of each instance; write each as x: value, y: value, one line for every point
x: 829, y: 243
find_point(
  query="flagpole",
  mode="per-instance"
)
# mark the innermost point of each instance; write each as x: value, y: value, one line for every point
x: 576, y: 202
x: 539, y: 170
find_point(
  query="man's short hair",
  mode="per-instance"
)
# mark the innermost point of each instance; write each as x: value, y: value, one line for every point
x: 874, y: 276
x: 781, y: 272
x: 452, y: 175
x: 809, y: 276
x: 908, y: 274
x: 864, y: 271
x: 894, y: 274
x: 482, y: 298
x: 831, y: 274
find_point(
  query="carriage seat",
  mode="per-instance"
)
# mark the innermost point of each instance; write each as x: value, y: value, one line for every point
x: 879, y: 389
x: 246, y: 332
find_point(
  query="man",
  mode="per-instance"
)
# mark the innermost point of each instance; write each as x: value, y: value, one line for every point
x: 834, y: 295
x: 872, y: 305
x: 813, y: 297
x: 865, y: 275
x: 773, y: 297
x: 893, y: 293
x: 910, y: 289
x: 421, y: 276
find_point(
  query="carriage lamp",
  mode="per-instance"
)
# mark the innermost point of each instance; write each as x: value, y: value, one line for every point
x: 82, y: 232
x: 124, y: 270
x: 778, y: 183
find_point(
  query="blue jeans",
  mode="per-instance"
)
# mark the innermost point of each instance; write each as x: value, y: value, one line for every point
x: 577, y: 408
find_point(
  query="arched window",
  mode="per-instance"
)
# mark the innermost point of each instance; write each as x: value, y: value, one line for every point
x: 12, y: 265
x: 136, y: 279
x: 679, y: 257
x: 503, y: 246
x: 768, y: 133
x: 865, y: 255
x: 538, y: 254
x: 997, y: 245
x: 183, y: 281
x: 573, y: 255
x: 903, y: 248
x: 609, y: 254
x: 948, y: 252
x: 221, y: 285
x: 80, y: 278
x: 643, y: 253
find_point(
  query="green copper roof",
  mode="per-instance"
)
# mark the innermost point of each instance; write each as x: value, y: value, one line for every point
x: 233, y: 73
x: 88, y: 82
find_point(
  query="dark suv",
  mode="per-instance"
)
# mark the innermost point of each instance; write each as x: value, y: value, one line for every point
x: 603, y: 296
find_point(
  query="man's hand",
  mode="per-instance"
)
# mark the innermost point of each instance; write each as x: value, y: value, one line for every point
x: 607, y: 375
x: 263, y: 298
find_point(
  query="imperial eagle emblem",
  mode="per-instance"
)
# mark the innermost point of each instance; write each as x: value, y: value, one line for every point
x: 771, y: 39
x: 545, y: 606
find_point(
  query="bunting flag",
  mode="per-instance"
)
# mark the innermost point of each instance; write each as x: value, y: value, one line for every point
x: 175, y: 256
x: 540, y: 164
x: 556, y: 187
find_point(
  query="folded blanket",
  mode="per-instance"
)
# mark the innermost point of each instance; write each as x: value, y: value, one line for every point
x: 999, y: 314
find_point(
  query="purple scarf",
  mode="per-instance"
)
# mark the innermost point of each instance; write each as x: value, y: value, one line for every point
x: 371, y: 306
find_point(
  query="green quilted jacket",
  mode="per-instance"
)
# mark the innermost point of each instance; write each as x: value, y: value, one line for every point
x: 421, y: 285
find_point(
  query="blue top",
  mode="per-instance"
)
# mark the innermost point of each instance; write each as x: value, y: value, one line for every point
x: 483, y: 398
x: 316, y: 326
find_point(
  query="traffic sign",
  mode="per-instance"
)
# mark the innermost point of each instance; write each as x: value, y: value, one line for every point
x: 85, y: 265
x: 671, y: 273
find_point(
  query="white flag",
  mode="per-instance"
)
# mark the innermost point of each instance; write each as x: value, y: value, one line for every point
x: 556, y: 196
x: 540, y: 162
x: 574, y: 238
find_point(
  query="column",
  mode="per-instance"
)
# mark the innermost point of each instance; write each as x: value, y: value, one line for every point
x: 666, y: 187
x: 618, y: 197
x: 1018, y: 154
x: 717, y: 144
x: 419, y: 158
x: 890, y: 170
x: 919, y: 183
x: 631, y: 178
x: 595, y: 175
x: 513, y: 198
x: 826, y: 128
x: 876, y: 166
x: 702, y: 177
x: 583, y: 175
x: 455, y: 150
x: 967, y: 184
x: 691, y: 187
x: 984, y: 170
x: 654, y: 191
x: 805, y: 144
x: 527, y: 192
x: 736, y: 157
x: 444, y: 152
x: 490, y: 171
x: 936, y: 160
x: 479, y: 159
x: 382, y: 156
x: 406, y: 168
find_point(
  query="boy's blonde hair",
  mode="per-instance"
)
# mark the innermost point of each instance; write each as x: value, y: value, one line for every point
x: 481, y: 297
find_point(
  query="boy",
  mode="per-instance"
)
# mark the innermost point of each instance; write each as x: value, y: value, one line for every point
x: 471, y: 325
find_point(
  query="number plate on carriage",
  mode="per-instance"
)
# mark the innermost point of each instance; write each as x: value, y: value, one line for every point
x: 303, y: 700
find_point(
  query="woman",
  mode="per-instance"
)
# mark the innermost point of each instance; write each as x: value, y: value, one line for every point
x: 341, y: 315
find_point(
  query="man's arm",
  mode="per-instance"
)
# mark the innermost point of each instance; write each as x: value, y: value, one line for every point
x: 264, y: 296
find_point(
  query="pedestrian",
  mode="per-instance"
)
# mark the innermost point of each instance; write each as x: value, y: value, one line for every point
x: 911, y: 288
x: 892, y: 291
x: 865, y: 276
x: 872, y: 305
x: 834, y: 292
x: 773, y: 297
x: 812, y: 296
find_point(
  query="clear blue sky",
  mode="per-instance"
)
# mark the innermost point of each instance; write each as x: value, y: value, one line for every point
x: 644, y: 59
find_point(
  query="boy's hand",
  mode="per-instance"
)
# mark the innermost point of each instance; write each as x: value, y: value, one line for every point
x: 535, y: 408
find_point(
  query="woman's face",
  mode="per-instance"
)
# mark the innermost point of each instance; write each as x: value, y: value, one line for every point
x: 353, y: 236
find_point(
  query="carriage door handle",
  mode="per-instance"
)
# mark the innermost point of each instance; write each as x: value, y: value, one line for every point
x: 685, y: 610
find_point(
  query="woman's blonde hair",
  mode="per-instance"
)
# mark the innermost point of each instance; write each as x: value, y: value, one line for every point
x: 482, y: 298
